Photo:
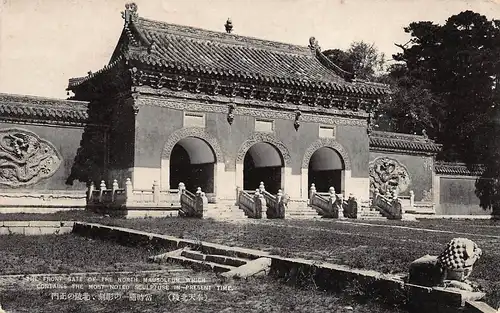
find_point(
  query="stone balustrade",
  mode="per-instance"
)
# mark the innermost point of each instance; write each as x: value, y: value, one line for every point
x: 254, y: 204
x: 192, y: 205
x: 390, y: 207
x: 333, y: 205
x: 117, y: 197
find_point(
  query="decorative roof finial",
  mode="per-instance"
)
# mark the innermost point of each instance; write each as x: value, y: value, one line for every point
x: 424, y: 133
x: 313, y: 44
x: 130, y: 13
x: 228, y: 26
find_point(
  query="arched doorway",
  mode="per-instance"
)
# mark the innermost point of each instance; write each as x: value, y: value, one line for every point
x: 192, y: 162
x: 263, y: 163
x: 326, y: 169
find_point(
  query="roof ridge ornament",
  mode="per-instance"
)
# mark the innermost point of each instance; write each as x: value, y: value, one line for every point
x: 229, y: 26
x: 130, y: 13
x: 313, y: 44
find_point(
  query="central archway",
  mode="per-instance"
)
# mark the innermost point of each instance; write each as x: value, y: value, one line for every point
x: 263, y: 163
x: 192, y: 162
x: 324, y: 161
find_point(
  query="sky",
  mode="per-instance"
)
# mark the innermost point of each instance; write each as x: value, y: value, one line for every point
x: 43, y: 43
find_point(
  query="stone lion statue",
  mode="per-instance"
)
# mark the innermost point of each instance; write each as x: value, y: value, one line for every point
x: 449, y: 269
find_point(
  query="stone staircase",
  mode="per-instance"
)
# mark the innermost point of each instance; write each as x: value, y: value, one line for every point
x: 192, y: 258
x: 302, y: 212
x: 224, y: 212
x: 367, y: 212
x: 370, y: 214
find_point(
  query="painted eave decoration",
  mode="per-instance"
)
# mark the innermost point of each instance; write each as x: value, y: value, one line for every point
x: 398, y: 142
x: 183, y: 58
x: 25, y: 158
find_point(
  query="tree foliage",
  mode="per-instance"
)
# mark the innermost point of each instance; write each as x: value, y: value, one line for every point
x: 411, y: 108
x: 362, y: 59
x: 458, y: 63
x: 453, y: 72
x: 446, y: 83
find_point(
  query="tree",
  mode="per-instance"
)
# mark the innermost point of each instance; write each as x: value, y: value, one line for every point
x: 411, y: 105
x: 457, y: 62
x: 362, y: 59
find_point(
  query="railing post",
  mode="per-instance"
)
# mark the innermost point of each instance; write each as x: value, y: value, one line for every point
x: 312, y: 191
x: 279, y: 195
x: 129, y: 190
x: 262, y: 187
x: 205, y: 199
x: 156, y: 192
x: 376, y: 194
x: 332, y: 197
x: 181, y: 187
x: 237, y: 195
x: 102, y: 188
x: 115, y: 187
x: 199, y: 202
x: 257, y: 209
x: 332, y: 194
x: 91, y: 191
x: 341, y: 207
x: 412, y: 199
x: 263, y: 205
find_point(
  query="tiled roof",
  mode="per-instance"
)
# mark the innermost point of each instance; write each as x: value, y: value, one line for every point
x: 228, y: 55
x: 461, y: 169
x: 405, y: 142
x: 38, y: 108
x: 204, y: 53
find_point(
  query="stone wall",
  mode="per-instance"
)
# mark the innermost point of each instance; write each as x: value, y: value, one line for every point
x: 160, y: 124
x: 456, y: 196
x: 65, y: 140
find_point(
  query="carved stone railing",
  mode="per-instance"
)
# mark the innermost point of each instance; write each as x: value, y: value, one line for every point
x: 389, y: 207
x: 252, y: 205
x: 245, y: 201
x: 191, y: 204
x: 332, y: 205
x: 116, y: 198
x: 276, y: 205
x: 351, y: 207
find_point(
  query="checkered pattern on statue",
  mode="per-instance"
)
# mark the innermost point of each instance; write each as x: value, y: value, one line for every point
x: 460, y: 254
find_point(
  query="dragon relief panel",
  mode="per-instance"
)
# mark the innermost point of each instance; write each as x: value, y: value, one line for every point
x: 25, y: 158
x: 387, y: 174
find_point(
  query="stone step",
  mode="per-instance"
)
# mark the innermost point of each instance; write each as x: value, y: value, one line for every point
x: 213, y: 262
x: 370, y: 213
x: 308, y: 213
x: 373, y: 218
x: 218, y: 268
x: 225, y: 214
x: 214, y: 258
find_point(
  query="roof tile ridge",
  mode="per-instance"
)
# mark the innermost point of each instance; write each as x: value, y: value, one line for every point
x: 31, y: 100
x: 326, y: 62
x: 226, y: 43
x: 221, y: 37
x: 79, y: 80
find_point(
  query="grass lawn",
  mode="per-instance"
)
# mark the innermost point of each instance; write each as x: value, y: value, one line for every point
x: 486, y: 227
x: 69, y: 253
x: 252, y: 295
x: 384, y: 249
x: 360, y: 244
